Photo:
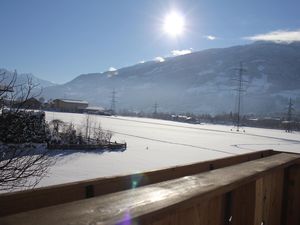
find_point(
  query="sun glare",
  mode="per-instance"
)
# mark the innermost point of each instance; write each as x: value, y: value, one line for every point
x: 173, y: 24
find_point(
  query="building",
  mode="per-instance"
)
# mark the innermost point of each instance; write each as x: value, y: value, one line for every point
x: 95, y: 110
x: 31, y: 103
x: 69, y: 105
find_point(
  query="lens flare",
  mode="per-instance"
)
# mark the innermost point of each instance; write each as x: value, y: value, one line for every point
x: 137, y: 179
x: 126, y: 220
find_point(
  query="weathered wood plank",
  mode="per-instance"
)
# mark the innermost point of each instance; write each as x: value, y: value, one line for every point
x: 269, y: 199
x: 243, y: 204
x: 210, y: 212
x: 273, y: 189
x: 58, y: 194
x: 259, y: 201
x: 158, y: 200
x: 291, y: 210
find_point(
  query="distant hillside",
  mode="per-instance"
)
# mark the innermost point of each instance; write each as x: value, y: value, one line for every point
x: 22, y: 78
x: 200, y: 82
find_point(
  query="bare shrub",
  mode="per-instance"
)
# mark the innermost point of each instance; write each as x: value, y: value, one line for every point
x: 23, y: 162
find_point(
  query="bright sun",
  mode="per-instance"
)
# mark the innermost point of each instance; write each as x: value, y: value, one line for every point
x: 174, y: 24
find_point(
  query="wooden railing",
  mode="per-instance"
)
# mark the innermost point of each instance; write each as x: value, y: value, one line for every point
x: 262, y: 191
x: 57, y: 194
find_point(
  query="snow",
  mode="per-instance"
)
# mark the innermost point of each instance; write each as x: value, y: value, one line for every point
x: 95, y: 108
x: 205, y: 72
x: 74, y: 101
x: 269, y: 64
x: 219, y: 62
x: 155, y: 144
x: 260, y: 68
x: 260, y: 84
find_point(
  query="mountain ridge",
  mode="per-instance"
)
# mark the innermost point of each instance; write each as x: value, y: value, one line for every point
x: 22, y: 78
x: 200, y: 82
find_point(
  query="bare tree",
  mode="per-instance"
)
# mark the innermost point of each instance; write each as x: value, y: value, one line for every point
x: 108, y: 135
x: 23, y: 159
x: 56, y: 124
x: 88, y: 125
x: 69, y: 134
x: 22, y: 166
x: 99, y: 134
x: 16, y: 94
x: 92, y: 129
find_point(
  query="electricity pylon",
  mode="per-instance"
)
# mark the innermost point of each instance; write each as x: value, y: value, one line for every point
x: 290, y: 110
x: 113, y: 102
x: 240, y: 89
x: 155, y: 109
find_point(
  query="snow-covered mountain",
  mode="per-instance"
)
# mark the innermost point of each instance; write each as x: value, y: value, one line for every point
x: 201, y: 82
x: 23, y: 78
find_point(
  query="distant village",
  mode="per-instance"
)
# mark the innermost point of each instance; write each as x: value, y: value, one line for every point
x: 61, y: 105
x: 82, y: 106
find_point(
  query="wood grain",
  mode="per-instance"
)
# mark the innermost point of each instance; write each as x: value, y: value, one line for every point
x: 291, y: 213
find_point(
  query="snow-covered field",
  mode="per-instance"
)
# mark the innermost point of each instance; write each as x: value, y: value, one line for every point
x: 154, y: 144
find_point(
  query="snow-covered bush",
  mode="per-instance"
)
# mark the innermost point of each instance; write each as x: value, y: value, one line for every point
x: 99, y: 134
x: 68, y: 135
x: 88, y: 133
x: 23, y: 127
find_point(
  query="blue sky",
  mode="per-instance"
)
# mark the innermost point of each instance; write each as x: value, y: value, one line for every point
x: 59, y: 39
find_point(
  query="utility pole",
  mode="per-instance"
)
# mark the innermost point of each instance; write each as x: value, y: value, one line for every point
x: 155, y: 109
x: 290, y: 109
x: 289, y: 116
x: 240, y: 89
x: 113, y: 102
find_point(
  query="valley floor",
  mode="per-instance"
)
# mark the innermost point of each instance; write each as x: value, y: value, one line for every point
x: 154, y: 144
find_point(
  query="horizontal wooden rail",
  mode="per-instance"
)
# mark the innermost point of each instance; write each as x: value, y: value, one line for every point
x: 246, y: 193
x: 57, y: 194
